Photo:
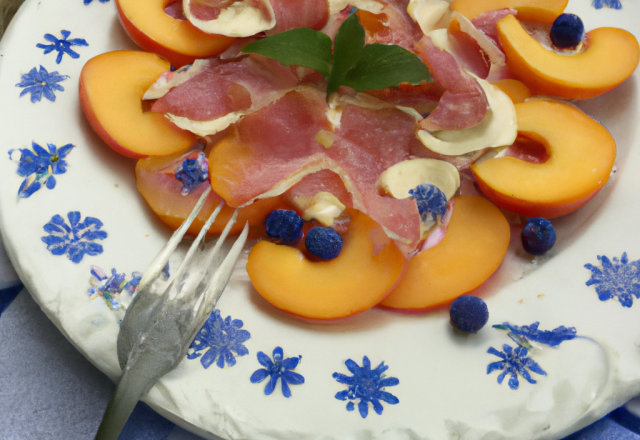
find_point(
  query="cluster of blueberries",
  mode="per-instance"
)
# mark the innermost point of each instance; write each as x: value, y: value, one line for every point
x: 286, y: 227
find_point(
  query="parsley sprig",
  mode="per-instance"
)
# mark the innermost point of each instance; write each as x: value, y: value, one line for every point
x: 352, y: 63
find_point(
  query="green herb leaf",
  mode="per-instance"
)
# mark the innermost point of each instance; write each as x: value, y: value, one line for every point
x: 381, y: 66
x: 346, y: 51
x: 300, y: 47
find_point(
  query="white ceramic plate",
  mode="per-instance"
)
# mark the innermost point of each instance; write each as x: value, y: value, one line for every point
x: 443, y: 389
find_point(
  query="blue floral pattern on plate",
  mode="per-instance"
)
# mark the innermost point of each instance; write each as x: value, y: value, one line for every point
x: 522, y: 335
x: 41, y: 83
x: 613, y: 4
x: 514, y: 362
x: 367, y: 385
x: 218, y: 339
x: 616, y: 279
x: 62, y: 45
x: 88, y: 2
x: 110, y: 287
x: 76, y: 239
x: 39, y: 166
x: 279, y: 368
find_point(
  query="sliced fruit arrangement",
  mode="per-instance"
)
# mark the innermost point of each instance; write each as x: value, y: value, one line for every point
x: 175, y: 39
x: 475, y: 243
x: 576, y: 76
x: 338, y: 261
x: 354, y: 281
x: 581, y: 154
x: 111, y: 88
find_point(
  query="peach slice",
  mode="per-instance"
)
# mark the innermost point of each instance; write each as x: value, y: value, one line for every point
x: 178, y: 41
x: 472, y: 249
x: 610, y: 56
x: 581, y: 153
x: 351, y: 283
x: 545, y: 11
x: 111, y: 88
x: 156, y: 182
x: 514, y: 89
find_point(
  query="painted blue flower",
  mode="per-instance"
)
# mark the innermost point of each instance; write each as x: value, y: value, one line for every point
x: 62, y: 46
x: 38, y: 169
x: 522, y: 335
x: 74, y: 239
x: 431, y: 201
x: 514, y: 362
x: 367, y: 385
x: 110, y: 287
x: 617, y: 278
x: 40, y: 82
x: 87, y: 2
x: 614, y: 4
x: 192, y: 172
x: 218, y: 339
x: 279, y: 368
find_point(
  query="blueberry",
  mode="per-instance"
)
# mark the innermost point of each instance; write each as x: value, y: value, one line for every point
x: 324, y: 243
x: 469, y: 313
x: 284, y: 225
x: 538, y: 236
x: 567, y: 31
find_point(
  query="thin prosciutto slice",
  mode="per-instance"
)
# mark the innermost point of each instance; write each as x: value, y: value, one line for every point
x: 276, y: 147
x: 244, y: 18
x: 226, y: 86
x: 488, y: 23
x: 392, y: 26
x: 463, y: 103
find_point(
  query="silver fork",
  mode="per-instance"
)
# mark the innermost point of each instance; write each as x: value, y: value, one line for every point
x: 160, y: 324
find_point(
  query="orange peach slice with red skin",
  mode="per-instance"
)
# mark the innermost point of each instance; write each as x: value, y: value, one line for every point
x: 545, y: 11
x: 581, y: 154
x: 351, y: 283
x: 156, y: 182
x: 611, y: 56
x: 473, y: 247
x: 111, y: 88
x: 176, y: 40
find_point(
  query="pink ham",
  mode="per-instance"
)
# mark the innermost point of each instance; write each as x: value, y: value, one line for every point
x: 322, y: 181
x: 292, y: 14
x: 207, y: 10
x: 276, y: 147
x: 393, y: 25
x: 488, y: 21
x: 463, y: 103
x: 249, y: 82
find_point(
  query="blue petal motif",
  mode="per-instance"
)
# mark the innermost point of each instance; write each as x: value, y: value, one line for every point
x: 616, y: 278
x: 110, y: 288
x: 62, y: 46
x: 76, y: 240
x: 613, y: 4
x: 39, y: 169
x: 87, y: 2
x: 218, y: 339
x: 41, y: 82
x: 279, y: 368
x: 552, y: 338
x: 514, y: 362
x: 367, y: 385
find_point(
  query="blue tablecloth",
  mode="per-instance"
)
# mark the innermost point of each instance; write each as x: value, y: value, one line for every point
x: 48, y: 390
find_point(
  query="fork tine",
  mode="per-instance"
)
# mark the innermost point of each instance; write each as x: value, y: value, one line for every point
x: 161, y: 259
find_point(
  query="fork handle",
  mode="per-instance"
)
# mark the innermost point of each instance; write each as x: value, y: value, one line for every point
x: 124, y: 399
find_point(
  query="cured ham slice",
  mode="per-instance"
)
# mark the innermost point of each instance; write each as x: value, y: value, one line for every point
x: 276, y: 147
x: 224, y: 91
x: 392, y: 26
x: 244, y: 18
x: 291, y: 14
x: 487, y: 23
x: 463, y: 103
